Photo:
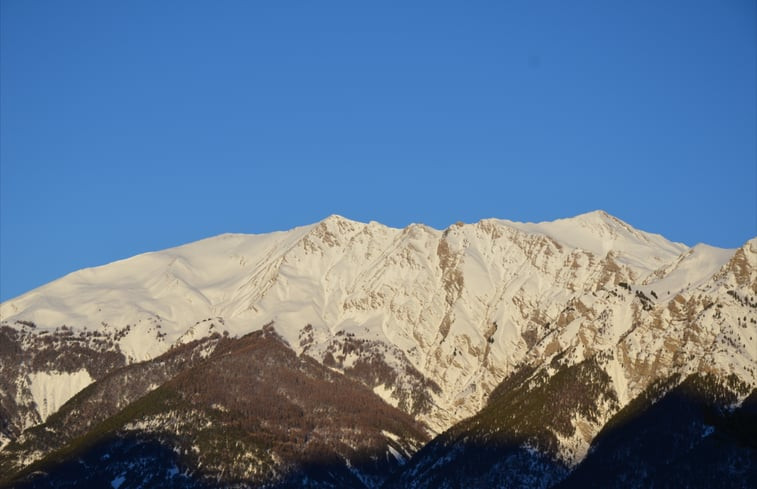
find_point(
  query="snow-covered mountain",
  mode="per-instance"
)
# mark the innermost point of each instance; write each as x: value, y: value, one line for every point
x: 430, y: 320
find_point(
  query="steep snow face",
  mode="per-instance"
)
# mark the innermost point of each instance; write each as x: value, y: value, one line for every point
x: 459, y: 307
x: 689, y: 271
x: 50, y: 390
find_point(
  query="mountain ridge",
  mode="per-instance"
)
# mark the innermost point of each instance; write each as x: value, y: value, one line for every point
x: 339, y: 218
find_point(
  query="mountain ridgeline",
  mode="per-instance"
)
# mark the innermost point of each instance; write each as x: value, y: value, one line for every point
x: 575, y: 353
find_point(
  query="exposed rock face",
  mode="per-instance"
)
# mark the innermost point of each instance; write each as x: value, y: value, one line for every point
x: 586, y: 309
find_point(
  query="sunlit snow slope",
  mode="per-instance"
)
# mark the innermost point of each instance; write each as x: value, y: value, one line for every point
x: 446, y: 313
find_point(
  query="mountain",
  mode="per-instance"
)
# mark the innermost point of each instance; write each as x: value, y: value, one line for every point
x: 240, y: 411
x: 517, y: 343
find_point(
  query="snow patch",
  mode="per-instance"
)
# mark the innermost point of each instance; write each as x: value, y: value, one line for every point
x: 50, y: 390
x: 397, y: 455
x: 619, y: 381
x: 116, y: 483
x: 390, y: 435
x: 386, y: 394
x: 4, y: 440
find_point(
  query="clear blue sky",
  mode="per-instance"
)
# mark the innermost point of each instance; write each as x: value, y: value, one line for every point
x: 134, y: 126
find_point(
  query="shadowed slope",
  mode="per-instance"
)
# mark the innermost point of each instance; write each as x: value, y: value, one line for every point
x: 252, y: 413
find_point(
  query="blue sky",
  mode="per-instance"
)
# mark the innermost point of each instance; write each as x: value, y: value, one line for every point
x: 128, y: 127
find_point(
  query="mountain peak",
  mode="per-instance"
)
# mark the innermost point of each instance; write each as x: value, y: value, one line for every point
x: 601, y: 220
x: 338, y: 219
x: 596, y: 214
x: 599, y: 233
